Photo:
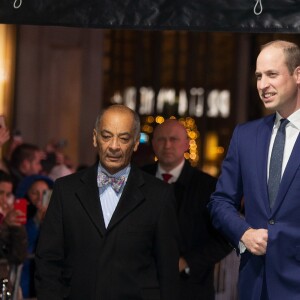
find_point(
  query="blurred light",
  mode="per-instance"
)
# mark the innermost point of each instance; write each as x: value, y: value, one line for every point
x: 186, y: 155
x: 220, y: 150
x: 212, y: 148
x: 192, y: 135
x: 150, y: 119
x: 147, y: 128
x: 193, y: 156
x: 7, y: 64
x: 159, y: 119
x: 144, y: 138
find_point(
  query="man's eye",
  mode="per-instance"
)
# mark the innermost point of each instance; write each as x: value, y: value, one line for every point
x: 124, y: 139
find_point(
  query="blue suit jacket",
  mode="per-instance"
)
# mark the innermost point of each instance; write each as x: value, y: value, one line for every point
x: 244, y: 176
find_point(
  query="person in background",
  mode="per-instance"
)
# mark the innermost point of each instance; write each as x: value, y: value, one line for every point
x: 37, y: 190
x: 262, y: 168
x: 55, y: 164
x: 25, y: 161
x: 201, y: 245
x: 13, y: 238
x: 110, y: 231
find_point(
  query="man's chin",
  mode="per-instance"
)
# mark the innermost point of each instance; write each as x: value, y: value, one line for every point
x: 269, y: 106
x: 113, y: 166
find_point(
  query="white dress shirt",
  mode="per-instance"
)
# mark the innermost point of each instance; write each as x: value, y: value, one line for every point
x: 291, y: 133
x: 175, y: 172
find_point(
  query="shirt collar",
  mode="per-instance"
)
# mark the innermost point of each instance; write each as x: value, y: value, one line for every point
x: 174, y: 172
x: 294, y: 119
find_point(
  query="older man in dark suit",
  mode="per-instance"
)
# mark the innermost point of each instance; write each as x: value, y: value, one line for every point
x: 201, y: 245
x: 110, y: 231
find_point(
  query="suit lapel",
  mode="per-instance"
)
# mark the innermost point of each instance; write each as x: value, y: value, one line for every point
x: 289, y: 173
x: 130, y: 199
x: 264, y: 133
x: 88, y: 195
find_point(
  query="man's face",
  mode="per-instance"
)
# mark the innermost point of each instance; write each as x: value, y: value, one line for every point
x: 169, y: 142
x: 277, y: 88
x: 34, y: 165
x: 6, y: 196
x: 115, y: 140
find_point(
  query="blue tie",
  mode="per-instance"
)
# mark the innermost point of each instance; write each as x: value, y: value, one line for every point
x: 275, y: 167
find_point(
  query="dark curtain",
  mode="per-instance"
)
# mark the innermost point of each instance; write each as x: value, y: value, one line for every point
x: 201, y: 15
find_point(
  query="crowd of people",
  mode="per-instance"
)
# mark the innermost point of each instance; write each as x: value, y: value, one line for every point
x: 27, y: 175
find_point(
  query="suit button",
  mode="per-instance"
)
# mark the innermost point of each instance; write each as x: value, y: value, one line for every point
x: 271, y: 222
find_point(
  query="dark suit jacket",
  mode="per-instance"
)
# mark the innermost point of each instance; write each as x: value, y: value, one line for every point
x: 135, y: 258
x: 244, y: 174
x: 201, y: 245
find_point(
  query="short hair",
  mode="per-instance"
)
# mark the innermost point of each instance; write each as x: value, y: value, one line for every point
x: 121, y: 108
x: 290, y: 50
x: 23, y: 152
x: 5, y: 177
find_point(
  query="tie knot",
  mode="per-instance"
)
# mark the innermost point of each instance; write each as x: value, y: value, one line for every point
x: 167, y: 176
x: 283, y: 123
x: 115, y: 182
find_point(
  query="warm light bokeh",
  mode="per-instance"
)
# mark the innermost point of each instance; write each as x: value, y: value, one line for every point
x: 7, y: 68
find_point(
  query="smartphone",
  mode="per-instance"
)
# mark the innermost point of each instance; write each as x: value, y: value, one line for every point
x: 2, y: 122
x: 21, y: 205
x: 46, y: 198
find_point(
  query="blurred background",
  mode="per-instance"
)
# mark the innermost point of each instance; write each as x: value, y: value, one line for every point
x: 55, y: 80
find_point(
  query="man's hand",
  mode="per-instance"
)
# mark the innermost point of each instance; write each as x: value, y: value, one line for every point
x: 14, y: 218
x: 182, y: 264
x: 256, y: 240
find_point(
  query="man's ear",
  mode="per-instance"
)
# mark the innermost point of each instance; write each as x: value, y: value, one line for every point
x: 297, y: 74
x: 136, y: 143
x: 95, y: 143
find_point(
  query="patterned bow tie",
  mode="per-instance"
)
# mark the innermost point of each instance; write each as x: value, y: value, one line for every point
x: 115, y: 182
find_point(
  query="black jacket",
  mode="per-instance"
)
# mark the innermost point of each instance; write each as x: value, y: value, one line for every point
x: 201, y: 245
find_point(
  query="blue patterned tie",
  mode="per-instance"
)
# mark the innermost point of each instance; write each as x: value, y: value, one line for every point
x: 275, y: 167
x: 115, y: 182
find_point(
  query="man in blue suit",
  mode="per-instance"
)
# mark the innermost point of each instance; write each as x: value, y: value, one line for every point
x: 268, y: 235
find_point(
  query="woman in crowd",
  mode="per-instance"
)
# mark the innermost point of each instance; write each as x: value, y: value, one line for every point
x: 36, y: 189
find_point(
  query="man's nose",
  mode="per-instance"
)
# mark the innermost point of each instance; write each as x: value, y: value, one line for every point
x: 168, y: 143
x: 263, y: 83
x: 114, y: 144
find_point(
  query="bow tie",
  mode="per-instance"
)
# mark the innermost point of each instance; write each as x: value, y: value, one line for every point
x: 115, y: 182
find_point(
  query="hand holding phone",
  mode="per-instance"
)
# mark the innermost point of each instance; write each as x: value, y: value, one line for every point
x: 46, y: 198
x: 20, y: 205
